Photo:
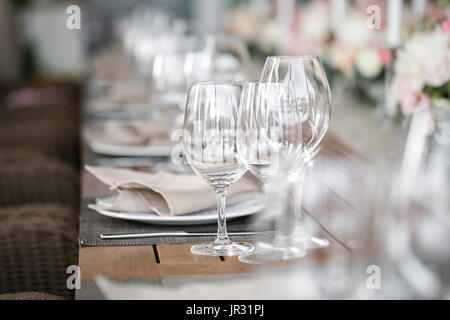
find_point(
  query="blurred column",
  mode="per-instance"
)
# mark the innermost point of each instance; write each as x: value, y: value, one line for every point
x: 9, y: 50
x: 59, y: 50
x: 419, y: 7
x: 208, y: 15
x: 394, y: 23
x: 338, y: 14
x: 393, y: 39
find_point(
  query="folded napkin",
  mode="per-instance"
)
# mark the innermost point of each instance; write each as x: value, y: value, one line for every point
x: 128, y: 92
x: 110, y: 65
x: 129, y: 133
x: 166, y: 194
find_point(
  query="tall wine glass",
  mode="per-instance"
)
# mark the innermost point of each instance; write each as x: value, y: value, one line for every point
x: 314, y: 99
x: 171, y: 75
x: 270, y: 144
x: 210, y: 146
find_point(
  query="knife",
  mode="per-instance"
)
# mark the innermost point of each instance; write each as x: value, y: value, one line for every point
x: 175, y: 234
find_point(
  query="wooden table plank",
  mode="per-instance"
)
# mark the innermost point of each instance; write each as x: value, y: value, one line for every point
x: 118, y: 262
x: 177, y: 260
x: 181, y: 253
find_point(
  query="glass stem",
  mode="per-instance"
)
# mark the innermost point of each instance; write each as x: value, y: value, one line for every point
x: 222, y: 235
x: 299, y: 195
x: 286, y: 218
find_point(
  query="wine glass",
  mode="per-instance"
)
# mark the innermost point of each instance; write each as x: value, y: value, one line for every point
x: 423, y: 214
x: 270, y: 145
x: 231, y: 60
x: 171, y: 75
x: 314, y: 100
x: 210, y: 146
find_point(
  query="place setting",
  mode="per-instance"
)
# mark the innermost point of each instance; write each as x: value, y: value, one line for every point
x: 225, y: 133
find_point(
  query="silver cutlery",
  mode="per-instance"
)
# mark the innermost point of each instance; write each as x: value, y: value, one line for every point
x: 176, y: 234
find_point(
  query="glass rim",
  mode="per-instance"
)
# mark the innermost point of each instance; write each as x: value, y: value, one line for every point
x: 214, y: 82
x: 265, y: 82
x: 303, y: 57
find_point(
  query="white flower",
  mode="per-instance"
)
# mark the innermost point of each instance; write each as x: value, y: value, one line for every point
x: 425, y: 59
x: 437, y: 70
x: 272, y: 36
x: 342, y: 58
x: 368, y: 63
x: 314, y: 24
x: 355, y: 33
x: 411, y: 72
x: 244, y: 22
x: 425, y: 46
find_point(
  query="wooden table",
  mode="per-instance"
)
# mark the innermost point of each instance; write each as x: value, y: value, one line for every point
x: 163, y: 264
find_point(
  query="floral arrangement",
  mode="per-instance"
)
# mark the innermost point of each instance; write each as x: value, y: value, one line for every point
x: 422, y: 70
x: 357, y: 51
x: 309, y: 31
x: 354, y: 53
x: 246, y: 22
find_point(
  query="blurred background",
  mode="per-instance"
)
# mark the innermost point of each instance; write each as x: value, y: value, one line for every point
x: 360, y: 44
x: 34, y: 39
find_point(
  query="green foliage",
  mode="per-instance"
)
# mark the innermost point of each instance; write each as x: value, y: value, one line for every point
x: 20, y: 4
x: 442, y: 92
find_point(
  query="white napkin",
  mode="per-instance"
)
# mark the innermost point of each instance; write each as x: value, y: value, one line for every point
x: 167, y: 194
x: 129, y: 133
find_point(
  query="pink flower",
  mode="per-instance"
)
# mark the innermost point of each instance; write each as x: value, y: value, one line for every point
x: 446, y: 26
x: 436, y: 12
x: 385, y: 56
x: 413, y: 101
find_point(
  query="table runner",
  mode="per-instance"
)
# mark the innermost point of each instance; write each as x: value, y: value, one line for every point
x: 92, y: 224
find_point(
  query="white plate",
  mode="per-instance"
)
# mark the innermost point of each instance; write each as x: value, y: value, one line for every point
x: 130, y: 151
x: 242, y: 209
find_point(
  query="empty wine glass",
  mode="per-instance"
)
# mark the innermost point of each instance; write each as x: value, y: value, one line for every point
x: 270, y: 144
x: 314, y: 100
x: 210, y: 146
x: 172, y: 73
x: 231, y: 60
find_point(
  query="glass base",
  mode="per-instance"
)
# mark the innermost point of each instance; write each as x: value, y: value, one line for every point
x: 271, y: 251
x: 311, y: 242
x: 218, y: 249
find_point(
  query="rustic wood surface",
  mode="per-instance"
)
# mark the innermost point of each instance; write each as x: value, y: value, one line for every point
x: 171, y: 260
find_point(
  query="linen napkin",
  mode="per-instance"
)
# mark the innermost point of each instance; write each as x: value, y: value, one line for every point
x: 129, y: 133
x: 128, y: 92
x: 167, y: 194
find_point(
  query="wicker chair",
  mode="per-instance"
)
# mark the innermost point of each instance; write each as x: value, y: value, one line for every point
x: 38, y: 242
x: 46, y: 113
x: 56, y: 138
x: 40, y: 92
x: 23, y: 154
x: 38, y: 180
x: 30, y: 296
